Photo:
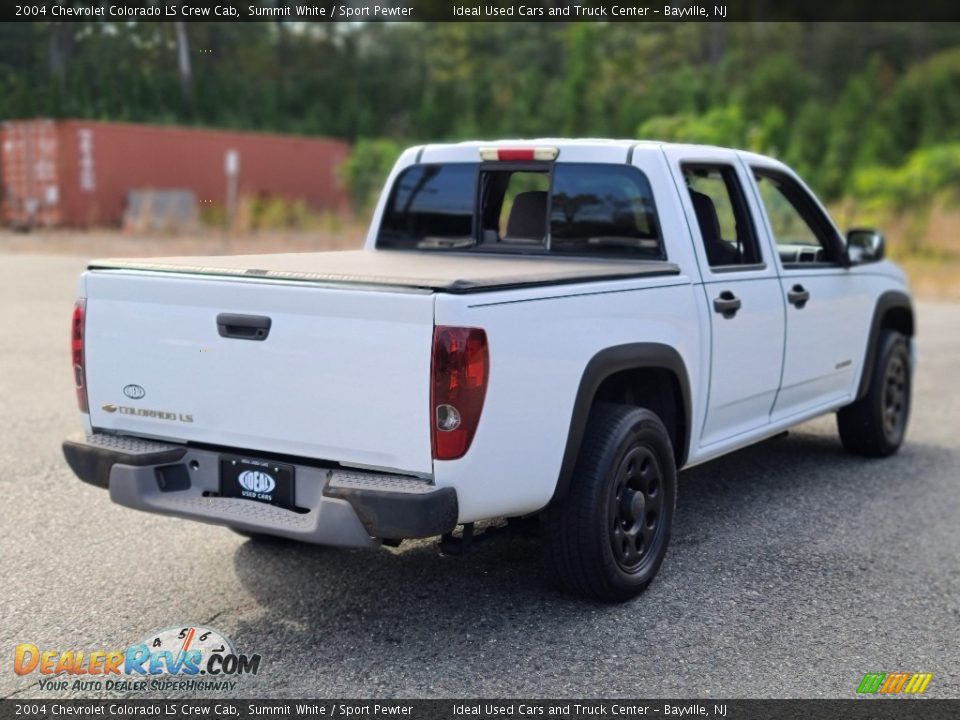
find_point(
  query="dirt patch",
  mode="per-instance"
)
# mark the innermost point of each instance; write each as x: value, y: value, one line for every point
x: 933, y: 279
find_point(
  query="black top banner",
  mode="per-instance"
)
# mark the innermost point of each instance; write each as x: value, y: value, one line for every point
x: 637, y: 11
x: 496, y: 709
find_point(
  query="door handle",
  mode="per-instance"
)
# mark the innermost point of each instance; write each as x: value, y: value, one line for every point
x: 727, y: 304
x: 243, y: 327
x: 798, y: 296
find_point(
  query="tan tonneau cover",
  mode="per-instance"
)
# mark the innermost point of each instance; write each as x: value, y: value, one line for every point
x: 460, y: 273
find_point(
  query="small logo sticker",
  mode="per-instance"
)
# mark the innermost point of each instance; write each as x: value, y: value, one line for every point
x: 134, y: 392
x: 109, y: 408
x: 257, y: 481
x: 894, y: 683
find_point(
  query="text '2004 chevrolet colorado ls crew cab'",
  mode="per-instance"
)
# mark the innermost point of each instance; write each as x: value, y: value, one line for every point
x: 548, y: 327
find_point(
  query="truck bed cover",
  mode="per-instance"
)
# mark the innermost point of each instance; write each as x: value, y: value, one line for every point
x: 447, y: 272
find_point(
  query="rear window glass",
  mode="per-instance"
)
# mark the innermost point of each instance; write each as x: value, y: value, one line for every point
x: 564, y: 209
x: 431, y: 206
x: 602, y: 209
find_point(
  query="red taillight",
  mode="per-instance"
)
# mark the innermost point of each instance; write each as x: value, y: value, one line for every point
x: 76, y: 348
x: 460, y: 365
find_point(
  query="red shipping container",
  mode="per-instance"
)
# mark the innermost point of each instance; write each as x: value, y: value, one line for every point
x: 78, y: 173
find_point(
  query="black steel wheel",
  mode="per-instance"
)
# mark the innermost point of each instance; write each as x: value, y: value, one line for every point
x: 895, y: 398
x: 636, y: 506
x: 608, y: 536
x: 876, y: 424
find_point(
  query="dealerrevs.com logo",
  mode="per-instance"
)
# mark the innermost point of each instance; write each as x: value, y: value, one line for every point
x: 189, y: 658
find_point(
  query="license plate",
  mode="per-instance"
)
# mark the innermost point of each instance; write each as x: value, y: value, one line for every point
x: 257, y: 480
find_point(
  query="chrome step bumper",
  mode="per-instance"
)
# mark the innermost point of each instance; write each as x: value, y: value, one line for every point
x: 339, y: 506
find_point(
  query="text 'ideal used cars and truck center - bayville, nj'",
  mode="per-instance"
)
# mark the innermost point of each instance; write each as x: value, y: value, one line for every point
x: 590, y: 12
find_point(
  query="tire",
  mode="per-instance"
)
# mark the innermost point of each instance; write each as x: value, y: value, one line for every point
x: 875, y: 425
x: 607, y: 538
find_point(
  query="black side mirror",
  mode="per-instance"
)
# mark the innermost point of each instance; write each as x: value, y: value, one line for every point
x: 864, y: 245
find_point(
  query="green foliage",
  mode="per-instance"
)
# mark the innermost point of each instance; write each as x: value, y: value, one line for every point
x: 365, y: 170
x: 829, y: 98
x: 928, y: 172
x: 923, y: 108
x: 780, y: 82
x: 718, y: 126
x: 808, y: 134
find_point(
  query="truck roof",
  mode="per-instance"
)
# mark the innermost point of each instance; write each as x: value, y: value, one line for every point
x: 472, y: 147
x: 559, y: 143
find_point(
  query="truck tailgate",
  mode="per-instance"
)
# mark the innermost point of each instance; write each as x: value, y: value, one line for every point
x: 342, y: 375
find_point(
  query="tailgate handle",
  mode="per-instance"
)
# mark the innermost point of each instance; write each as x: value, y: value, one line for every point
x: 243, y: 327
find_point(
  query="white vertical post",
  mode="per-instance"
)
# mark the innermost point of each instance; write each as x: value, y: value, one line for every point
x: 231, y: 167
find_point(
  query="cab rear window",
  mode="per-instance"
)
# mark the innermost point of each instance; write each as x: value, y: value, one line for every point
x: 523, y: 208
x: 430, y: 204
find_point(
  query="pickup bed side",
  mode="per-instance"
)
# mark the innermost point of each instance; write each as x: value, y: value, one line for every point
x: 517, y: 454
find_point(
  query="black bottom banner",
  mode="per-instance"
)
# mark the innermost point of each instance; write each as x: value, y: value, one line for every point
x: 853, y: 709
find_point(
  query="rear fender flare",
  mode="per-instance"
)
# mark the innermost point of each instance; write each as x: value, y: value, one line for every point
x: 633, y: 356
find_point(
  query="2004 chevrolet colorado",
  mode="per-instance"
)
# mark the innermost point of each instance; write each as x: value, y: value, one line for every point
x: 547, y: 326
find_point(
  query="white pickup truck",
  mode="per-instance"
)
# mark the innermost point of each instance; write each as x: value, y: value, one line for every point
x: 550, y: 327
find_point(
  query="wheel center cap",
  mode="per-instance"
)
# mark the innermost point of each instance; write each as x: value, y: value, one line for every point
x: 633, y: 505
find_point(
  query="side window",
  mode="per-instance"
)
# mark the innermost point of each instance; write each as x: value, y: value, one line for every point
x: 722, y: 215
x: 802, y: 232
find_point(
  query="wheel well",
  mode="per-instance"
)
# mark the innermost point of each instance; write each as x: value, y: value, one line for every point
x: 657, y: 390
x: 899, y: 319
x: 892, y: 312
x: 652, y: 375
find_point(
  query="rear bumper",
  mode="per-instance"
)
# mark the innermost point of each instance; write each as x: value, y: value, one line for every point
x: 338, y: 506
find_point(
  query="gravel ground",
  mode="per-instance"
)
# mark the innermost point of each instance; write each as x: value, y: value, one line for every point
x: 794, y: 568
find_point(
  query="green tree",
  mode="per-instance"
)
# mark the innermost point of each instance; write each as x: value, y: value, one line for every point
x: 366, y: 169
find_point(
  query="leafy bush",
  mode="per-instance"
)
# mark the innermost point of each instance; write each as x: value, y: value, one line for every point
x: 366, y: 170
x: 719, y: 126
x: 928, y: 172
x: 925, y: 106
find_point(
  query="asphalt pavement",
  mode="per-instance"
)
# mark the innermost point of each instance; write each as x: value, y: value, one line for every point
x: 794, y: 568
